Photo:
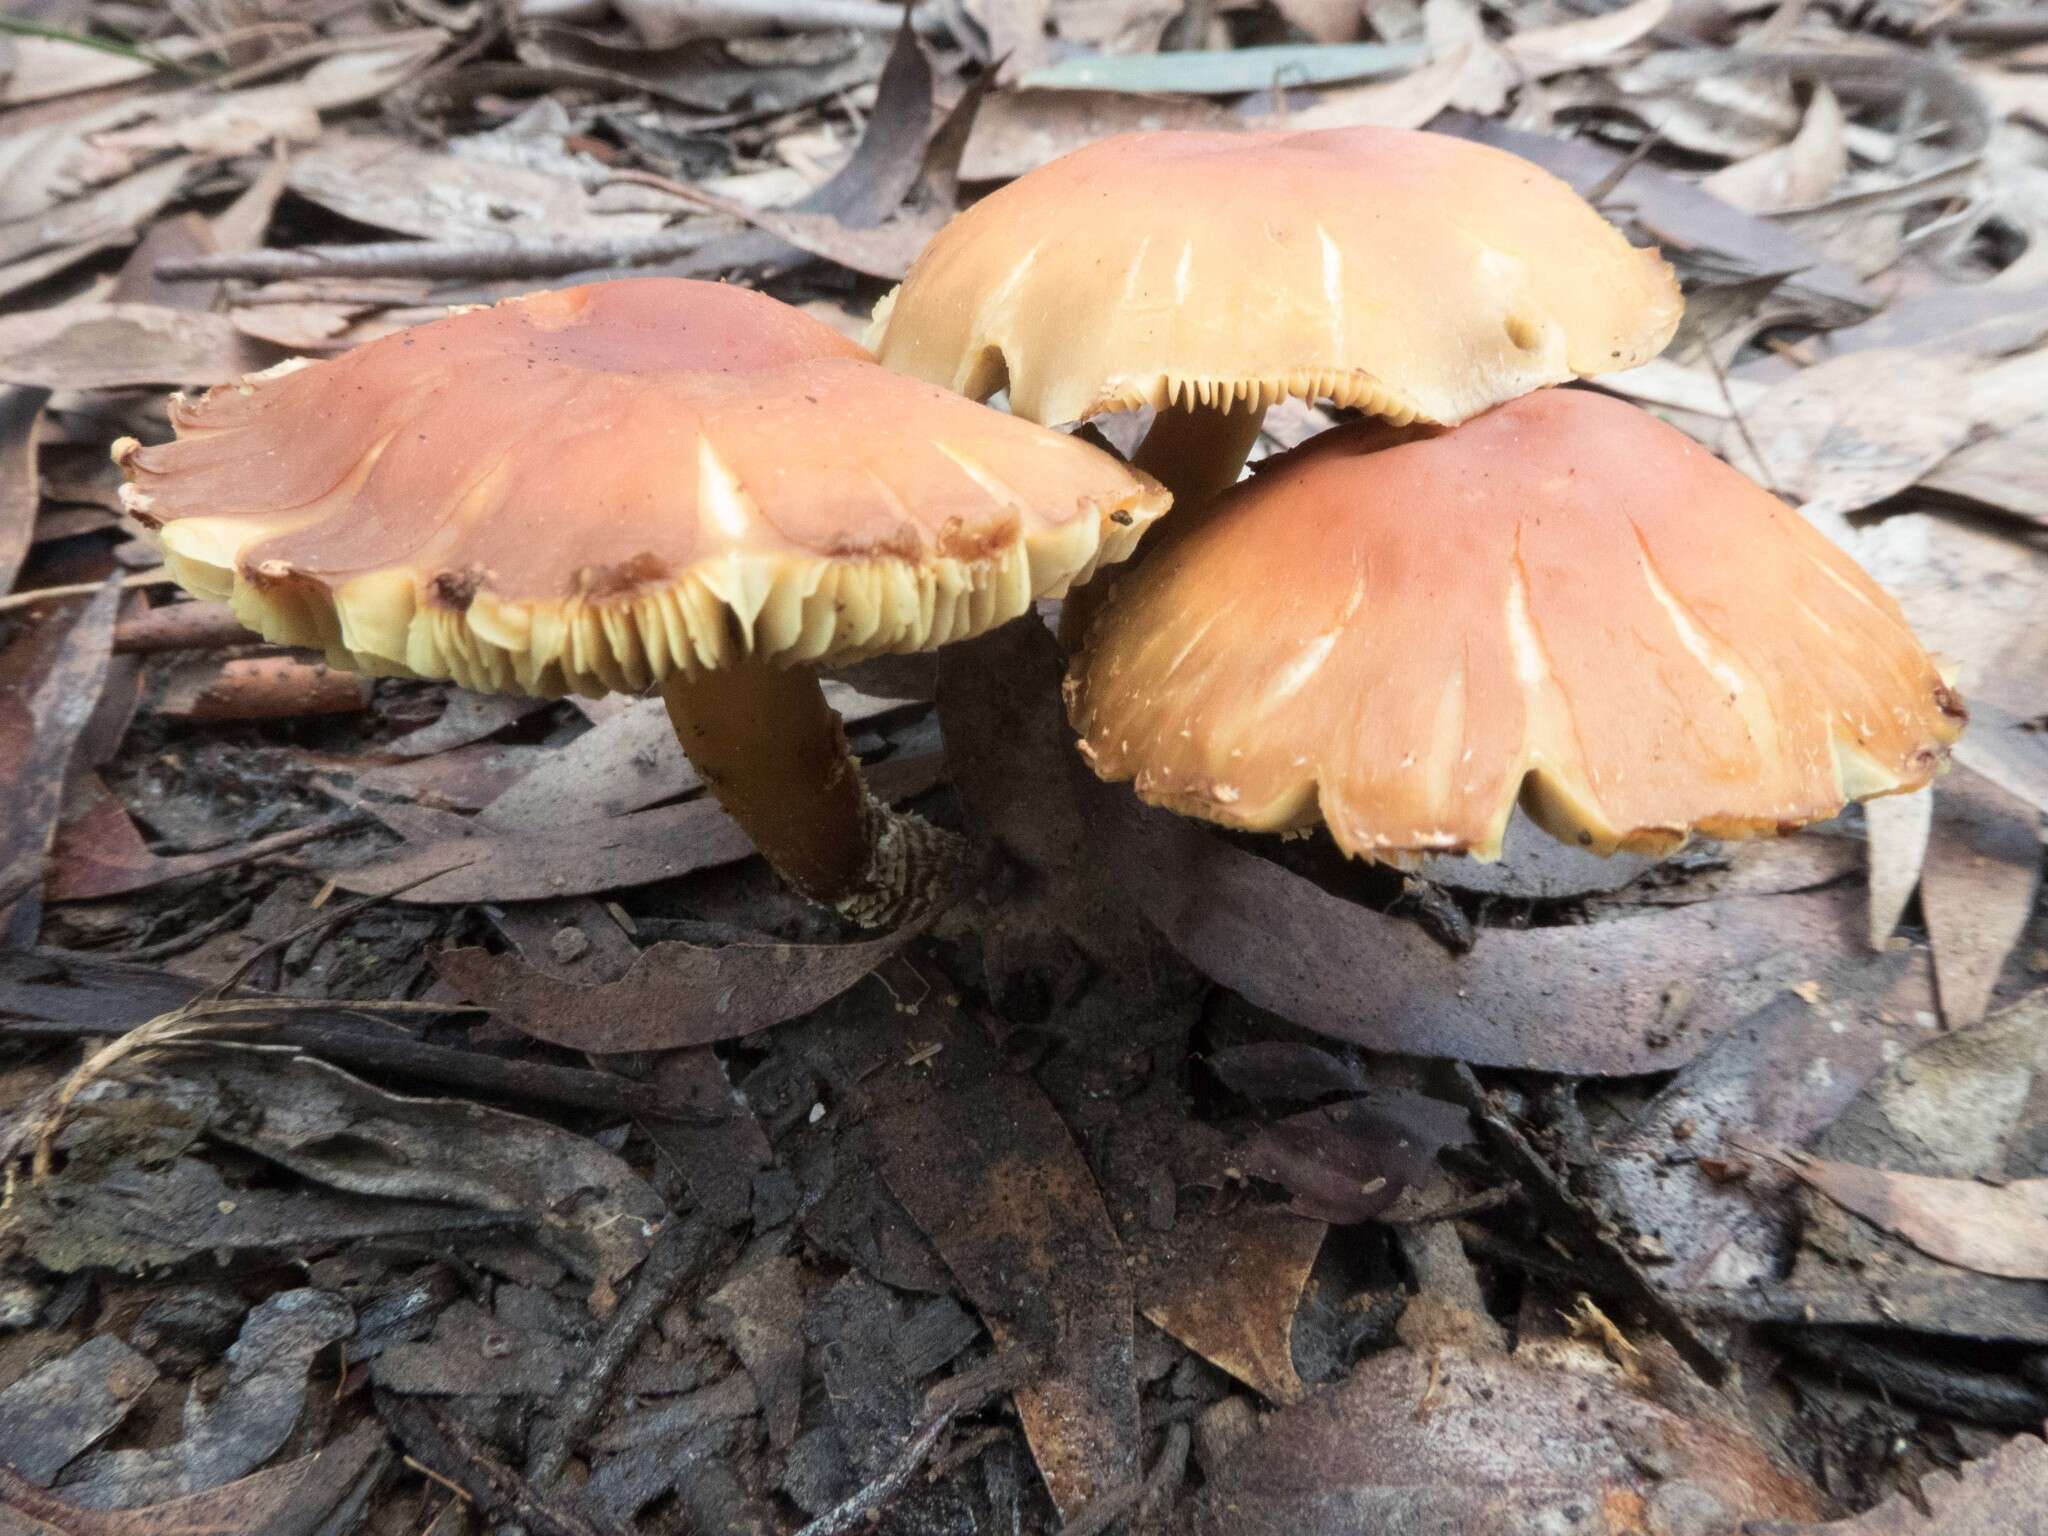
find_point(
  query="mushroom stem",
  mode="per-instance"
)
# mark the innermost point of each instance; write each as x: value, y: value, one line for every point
x: 1196, y: 452
x: 775, y: 754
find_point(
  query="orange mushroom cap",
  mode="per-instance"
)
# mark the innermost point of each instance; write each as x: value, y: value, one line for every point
x: 1400, y: 632
x: 593, y: 488
x: 1414, y: 275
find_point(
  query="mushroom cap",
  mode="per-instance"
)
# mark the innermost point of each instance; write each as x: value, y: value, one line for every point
x: 588, y: 489
x: 1413, y: 275
x: 1401, y: 631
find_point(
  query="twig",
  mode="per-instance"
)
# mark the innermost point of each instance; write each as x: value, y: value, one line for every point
x: 156, y: 578
x: 966, y: 1393
x: 1954, y: 1390
x: 1099, y: 1513
x: 1763, y: 469
x: 1572, y: 1218
x: 494, y: 260
x: 678, y: 1250
x: 495, y: 1489
x: 182, y: 627
x: 401, y: 1056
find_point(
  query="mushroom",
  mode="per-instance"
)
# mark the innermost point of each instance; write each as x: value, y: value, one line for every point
x: 1401, y: 632
x: 1415, y: 276
x: 644, y: 483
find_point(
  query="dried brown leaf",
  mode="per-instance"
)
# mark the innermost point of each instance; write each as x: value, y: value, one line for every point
x: 992, y: 1177
x: 1018, y: 131
x: 1407, y: 101
x: 2005, y: 1494
x: 1456, y: 1439
x: 21, y: 415
x: 1977, y: 889
x: 44, y: 242
x: 1228, y: 1287
x: 98, y: 852
x: 1995, y: 1229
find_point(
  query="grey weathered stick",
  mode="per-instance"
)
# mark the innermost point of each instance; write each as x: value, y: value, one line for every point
x: 508, y: 259
x: 680, y: 1248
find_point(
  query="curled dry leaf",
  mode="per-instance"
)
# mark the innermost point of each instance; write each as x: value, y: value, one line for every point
x: 1791, y: 174
x: 309, y: 1496
x: 992, y: 1177
x: 1458, y: 1439
x: 1995, y: 1229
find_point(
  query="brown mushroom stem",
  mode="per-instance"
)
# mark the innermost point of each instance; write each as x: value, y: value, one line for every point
x: 775, y: 754
x: 1196, y: 452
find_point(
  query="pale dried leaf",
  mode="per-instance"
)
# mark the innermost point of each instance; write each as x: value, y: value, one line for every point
x: 1995, y: 1229
x: 1826, y: 439
x: 1793, y: 174
x: 1409, y: 101
x: 113, y: 346
x: 1453, y: 30
x: 1983, y: 868
x: 1899, y: 826
x: 390, y: 184
x: 1546, y: 51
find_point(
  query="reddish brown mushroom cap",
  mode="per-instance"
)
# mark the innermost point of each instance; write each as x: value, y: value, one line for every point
x: 597, y: 487
x: 1401, y: 632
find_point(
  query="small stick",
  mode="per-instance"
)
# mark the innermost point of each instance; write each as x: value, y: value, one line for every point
x: 181, y: 627
x: 443, y: 1453
x: 966, y: 1393
x: 512, y: 259
x: 681, y: 1246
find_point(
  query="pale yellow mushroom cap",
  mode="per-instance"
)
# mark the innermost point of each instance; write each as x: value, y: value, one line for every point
x: 1399, y: 632
x: 592, y: 488
x: 1413, y: 275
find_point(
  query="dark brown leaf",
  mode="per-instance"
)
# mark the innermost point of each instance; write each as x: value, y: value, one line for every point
x: 50, y: 679
x: 98, y: 852
x: 992, y: 1177
x: 1346, y: 1162
x: 455, y: 860
x: 21, y: 413
x: 675, y: 994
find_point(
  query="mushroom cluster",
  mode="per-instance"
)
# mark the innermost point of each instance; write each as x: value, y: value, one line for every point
x: 649, y: 483
x: 1491, y: 591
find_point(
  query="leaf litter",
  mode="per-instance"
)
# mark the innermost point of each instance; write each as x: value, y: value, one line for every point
x: 1168, y: 1177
